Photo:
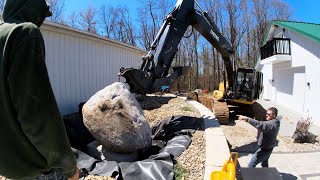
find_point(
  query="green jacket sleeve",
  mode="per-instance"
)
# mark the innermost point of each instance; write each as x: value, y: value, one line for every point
x: 34, y: 101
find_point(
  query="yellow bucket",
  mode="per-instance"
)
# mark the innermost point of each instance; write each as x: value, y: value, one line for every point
x: 228, y: 170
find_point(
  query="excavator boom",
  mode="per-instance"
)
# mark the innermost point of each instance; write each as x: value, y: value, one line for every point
x: 154, y: 70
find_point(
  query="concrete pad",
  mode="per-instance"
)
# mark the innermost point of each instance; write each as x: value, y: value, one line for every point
x: 217, y: 150
x: 284, y: 166
x: 214, y: 131
x: 304, y: 163
x: 313, y: 178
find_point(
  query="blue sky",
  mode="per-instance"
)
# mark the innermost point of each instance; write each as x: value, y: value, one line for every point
x: 78, y: 5
x: 304, y: 10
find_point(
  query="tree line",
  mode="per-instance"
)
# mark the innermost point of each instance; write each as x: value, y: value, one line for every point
x: 244, y: 23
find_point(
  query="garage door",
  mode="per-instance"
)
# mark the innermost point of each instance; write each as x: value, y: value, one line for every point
x: 290, y: 87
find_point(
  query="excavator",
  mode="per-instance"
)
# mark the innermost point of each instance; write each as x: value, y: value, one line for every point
x: 244, y: 85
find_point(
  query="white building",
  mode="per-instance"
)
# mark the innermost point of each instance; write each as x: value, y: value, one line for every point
x: 290, y: 62
x: 80, y: 63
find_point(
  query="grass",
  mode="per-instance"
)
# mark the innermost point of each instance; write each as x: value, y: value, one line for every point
x: 187, y: 108
x: 180, y: 173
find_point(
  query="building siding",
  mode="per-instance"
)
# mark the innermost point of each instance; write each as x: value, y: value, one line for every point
x: 306, y: 52
x: 267, y: 81
x: 290, y: 87
x: 304, y: 68
x: 80, y: 64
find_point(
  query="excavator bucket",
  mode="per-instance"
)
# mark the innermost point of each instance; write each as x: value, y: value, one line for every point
x: 139, y: 81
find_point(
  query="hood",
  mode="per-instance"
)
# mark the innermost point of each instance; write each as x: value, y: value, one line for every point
x: 34, y: 11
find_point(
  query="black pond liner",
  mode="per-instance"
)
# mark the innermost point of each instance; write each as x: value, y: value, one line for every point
x: 170, y: 138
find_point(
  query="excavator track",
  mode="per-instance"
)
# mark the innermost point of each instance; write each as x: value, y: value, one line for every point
x: 258, y: 112
x: 221, y: 111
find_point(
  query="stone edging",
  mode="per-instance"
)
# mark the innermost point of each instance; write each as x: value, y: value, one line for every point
x: 217, y: 150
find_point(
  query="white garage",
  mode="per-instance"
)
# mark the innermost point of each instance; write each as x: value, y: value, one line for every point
x: 80, y: 64
x: 290, y: 62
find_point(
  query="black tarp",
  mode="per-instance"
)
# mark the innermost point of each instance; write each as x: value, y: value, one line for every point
x: 170, y: 138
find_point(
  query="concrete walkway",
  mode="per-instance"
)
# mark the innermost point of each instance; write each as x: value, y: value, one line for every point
x: 217, y: 150
x: 291, y: 166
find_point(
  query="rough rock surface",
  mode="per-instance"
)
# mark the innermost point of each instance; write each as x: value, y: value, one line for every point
x: 114, y: 117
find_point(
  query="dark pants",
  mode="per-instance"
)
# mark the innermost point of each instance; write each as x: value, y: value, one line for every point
x: 260, y: 156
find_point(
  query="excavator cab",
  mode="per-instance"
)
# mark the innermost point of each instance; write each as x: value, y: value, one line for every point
x: 247, y: 89
x: 248, y: 85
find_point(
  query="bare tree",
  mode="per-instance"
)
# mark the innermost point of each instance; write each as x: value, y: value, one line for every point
x: 261, y: 11
x: 145, y: 37
x: 281, y: 10
x: 125, y: 28
x: 73, y: 20
x: 206, y: 75
x: 88, y: 20
x: 233, y: 14
x: 150, y: 5
x: 215, y: 9
x: 164, y: 7
x: 107, y: 19
x: 57, y: 9
x: 247, y: 20
x: 148, y: 22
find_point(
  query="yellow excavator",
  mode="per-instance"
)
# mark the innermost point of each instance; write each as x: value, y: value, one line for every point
x: 244, y: 85
x: 219, y: 94
x: 242, y: 100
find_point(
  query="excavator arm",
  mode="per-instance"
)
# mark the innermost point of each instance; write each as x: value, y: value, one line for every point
x: 153, y: 72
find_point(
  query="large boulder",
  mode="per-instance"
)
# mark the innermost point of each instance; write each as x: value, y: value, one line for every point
x: 114, y: 117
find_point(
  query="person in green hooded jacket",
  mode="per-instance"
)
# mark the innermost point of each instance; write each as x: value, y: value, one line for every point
x: 33, y: 139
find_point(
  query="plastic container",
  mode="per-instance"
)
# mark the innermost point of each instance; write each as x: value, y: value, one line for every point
x: 228, y: 171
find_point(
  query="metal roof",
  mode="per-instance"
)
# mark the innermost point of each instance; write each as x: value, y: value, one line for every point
x: 309, y: 30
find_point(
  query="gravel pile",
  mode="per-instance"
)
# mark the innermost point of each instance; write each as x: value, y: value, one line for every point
x: 193, y: 159
x: 242, y: 138
x: 92, y: 177
x: 158, y: 108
